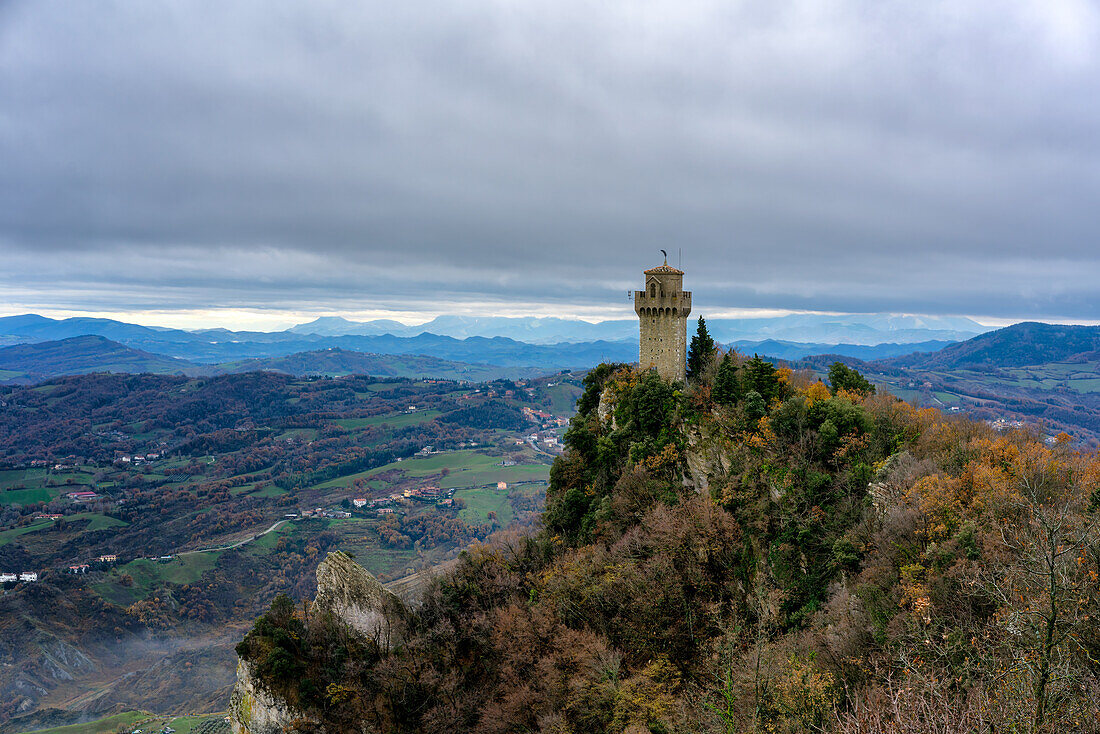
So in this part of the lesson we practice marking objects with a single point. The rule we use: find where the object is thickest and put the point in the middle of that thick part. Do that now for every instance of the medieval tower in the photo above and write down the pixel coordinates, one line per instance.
(662, 309)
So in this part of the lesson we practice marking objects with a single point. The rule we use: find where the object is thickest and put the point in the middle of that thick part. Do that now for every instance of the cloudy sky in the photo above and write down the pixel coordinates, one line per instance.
(253, 163)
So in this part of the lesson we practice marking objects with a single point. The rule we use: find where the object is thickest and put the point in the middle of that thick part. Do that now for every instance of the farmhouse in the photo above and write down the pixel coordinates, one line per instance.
(28, 576)
(359, 502)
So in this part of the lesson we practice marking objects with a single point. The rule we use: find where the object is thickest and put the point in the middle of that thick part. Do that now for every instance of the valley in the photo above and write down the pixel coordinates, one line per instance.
(162, 514)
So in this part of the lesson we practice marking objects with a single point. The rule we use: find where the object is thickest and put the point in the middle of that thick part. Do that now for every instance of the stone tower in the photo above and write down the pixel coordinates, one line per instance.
(662, 309)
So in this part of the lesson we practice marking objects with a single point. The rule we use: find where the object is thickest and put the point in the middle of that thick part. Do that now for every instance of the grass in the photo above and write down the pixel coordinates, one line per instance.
(131, 720)
(267, 542)
(563, 398)
(465, 469)
(110, 724)
(8, 536)
(480, 502)
(24, 496)
(495, 473)
(392, 420)
(305, 434)
(148, 575)
(26, 477)
(269, 491)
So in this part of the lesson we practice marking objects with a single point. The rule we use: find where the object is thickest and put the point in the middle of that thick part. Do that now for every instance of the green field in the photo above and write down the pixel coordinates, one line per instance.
(25, 496)
(393, 420)
(946, 398)
(26, 477)
(563, 398)
(480, 502)
(465, 469)
(1080, 376)
(7, 536)
(145, 721)
(265, 543)
(148, 575)
(102, 726)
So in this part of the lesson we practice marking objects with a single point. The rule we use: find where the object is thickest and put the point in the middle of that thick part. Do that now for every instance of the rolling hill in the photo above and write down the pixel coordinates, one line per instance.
(340, 362)
(82, 354)
(1027, 343)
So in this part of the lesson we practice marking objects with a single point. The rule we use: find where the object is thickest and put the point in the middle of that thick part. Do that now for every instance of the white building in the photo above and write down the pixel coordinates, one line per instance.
(28, 576)
(6, 577)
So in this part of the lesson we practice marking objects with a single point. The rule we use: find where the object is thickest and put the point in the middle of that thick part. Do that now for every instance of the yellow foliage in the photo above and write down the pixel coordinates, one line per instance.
(647, 698)
(804, 698)
(816, 392)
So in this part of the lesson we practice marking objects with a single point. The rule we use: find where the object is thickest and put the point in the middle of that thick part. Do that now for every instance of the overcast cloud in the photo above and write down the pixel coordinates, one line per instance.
(930, 157)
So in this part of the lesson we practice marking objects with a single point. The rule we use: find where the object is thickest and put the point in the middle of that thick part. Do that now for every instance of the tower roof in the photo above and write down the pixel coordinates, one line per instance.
(666, 268)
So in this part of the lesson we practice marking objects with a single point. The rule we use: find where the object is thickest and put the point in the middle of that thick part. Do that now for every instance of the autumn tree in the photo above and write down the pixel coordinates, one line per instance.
(1045, 581)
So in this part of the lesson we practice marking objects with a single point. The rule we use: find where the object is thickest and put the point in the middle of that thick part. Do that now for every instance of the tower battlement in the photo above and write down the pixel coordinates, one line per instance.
(662, 309)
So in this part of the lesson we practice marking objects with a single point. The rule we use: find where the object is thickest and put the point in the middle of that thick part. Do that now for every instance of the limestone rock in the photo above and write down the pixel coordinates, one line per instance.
(350, 592)
(344, 589)
(606, 408)
(255, 710)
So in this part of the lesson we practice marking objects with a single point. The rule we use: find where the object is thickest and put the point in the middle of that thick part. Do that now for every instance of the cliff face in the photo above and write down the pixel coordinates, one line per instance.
(348, 591)
(255, 710)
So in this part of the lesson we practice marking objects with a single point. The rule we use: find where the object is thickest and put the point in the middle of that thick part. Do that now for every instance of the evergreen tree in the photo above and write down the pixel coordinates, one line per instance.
(843, 377)
(760, 375)
(700, 352)
(727, 388)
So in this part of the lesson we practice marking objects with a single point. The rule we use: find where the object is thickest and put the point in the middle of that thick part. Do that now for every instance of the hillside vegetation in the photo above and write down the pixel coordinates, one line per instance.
(758, 551)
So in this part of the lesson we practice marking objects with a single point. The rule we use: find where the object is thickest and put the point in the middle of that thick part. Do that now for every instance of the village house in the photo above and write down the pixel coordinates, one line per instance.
(359, 502)
(502, 485)
(28, 576)
(6, 577)
(79, 568)
(108, 558)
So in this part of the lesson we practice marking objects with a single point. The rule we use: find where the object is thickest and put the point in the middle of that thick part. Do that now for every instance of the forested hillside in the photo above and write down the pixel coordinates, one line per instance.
(758, 551)
(186, 504)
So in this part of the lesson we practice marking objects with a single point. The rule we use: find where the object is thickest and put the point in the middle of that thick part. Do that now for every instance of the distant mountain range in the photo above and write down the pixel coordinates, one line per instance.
(795, 350)
(32, 363)
(43, 347)
(857, 329)
(212, 345)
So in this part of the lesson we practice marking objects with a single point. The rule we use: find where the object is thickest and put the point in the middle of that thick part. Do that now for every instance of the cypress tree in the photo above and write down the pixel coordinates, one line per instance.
(727, 387)
(700, 352)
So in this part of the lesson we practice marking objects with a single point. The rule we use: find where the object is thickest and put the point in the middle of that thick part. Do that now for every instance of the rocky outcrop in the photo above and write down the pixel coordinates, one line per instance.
(346, 590)
(350, 592)
(255, 710)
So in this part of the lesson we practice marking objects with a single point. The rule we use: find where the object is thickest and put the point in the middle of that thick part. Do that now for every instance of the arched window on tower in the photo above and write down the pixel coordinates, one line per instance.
(652, 290)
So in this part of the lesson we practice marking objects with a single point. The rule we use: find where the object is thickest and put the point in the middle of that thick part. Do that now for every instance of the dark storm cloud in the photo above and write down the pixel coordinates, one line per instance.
(833, 156)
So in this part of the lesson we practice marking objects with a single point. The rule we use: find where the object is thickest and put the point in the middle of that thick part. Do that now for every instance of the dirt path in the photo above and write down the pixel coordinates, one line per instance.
(239, 543)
